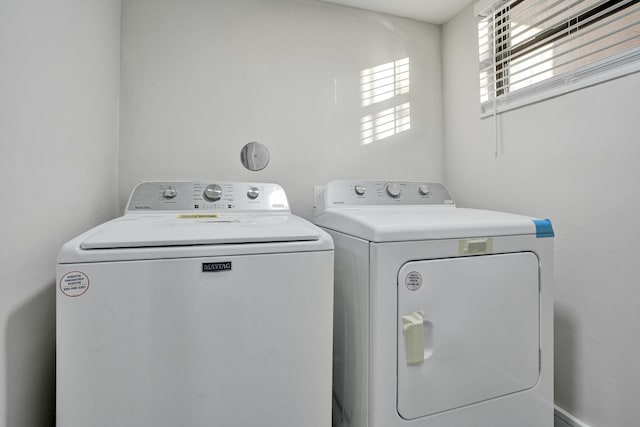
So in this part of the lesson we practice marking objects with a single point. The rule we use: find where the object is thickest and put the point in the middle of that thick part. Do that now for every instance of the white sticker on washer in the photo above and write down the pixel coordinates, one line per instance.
(413, 281)
(74, 284)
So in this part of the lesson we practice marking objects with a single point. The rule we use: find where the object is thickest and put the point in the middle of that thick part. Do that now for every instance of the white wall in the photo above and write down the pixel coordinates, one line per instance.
(59, 72)
(200, 78)
(573, 159)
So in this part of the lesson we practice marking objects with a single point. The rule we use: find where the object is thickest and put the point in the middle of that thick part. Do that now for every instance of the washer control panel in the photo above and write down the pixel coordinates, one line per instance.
(350, 193)
(207, 196)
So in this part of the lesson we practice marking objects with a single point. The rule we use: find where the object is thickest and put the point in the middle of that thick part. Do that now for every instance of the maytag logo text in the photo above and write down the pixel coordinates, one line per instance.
(213, 267)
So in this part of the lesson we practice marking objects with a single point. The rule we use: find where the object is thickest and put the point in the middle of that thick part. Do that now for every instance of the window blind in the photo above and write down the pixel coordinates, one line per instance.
(531, 50)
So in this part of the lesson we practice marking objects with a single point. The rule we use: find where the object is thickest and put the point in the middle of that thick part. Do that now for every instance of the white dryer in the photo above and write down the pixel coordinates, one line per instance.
(443, 315)
(206, 304)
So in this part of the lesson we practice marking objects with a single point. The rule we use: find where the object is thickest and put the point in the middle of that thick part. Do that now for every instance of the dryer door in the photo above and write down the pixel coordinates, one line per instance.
(468, 331)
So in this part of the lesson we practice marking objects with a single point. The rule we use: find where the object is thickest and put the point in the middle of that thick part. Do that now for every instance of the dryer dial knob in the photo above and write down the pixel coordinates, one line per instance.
(170, 193)
(393, 190)
(212, 193)
(360, 190)
(424, 190)
(253, 193)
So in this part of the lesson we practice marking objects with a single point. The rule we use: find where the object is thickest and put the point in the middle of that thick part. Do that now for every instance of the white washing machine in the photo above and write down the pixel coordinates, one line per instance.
(206, 304)
(443, 315)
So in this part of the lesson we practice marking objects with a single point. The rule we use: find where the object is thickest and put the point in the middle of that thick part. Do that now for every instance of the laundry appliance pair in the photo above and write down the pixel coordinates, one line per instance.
(211, 304)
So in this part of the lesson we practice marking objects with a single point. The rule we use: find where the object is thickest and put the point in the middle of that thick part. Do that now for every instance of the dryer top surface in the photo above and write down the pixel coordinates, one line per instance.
(407, 223)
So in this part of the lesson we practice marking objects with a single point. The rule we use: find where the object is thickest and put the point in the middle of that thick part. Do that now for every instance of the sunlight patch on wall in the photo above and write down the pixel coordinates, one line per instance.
(381, 84)
(385, 123)
(384, 81)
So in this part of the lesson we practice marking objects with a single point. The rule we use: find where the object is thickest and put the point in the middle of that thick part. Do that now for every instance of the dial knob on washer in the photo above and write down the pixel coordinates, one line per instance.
(424, 190)
(393, 190)
(212, 193)
(360, 190)
(253, 193)
(170, 193)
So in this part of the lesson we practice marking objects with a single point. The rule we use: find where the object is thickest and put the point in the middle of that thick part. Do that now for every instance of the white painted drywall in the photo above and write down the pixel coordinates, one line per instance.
(573, 159)
(200, 78)
(59, 78)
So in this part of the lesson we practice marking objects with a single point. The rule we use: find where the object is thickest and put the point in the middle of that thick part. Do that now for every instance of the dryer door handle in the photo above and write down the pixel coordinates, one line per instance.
(418, 337)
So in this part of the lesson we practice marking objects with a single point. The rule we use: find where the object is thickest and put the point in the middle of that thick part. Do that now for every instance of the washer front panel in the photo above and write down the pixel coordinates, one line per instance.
(165, 343)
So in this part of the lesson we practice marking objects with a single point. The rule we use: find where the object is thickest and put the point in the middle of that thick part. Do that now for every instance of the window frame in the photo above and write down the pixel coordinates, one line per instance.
(502, 99)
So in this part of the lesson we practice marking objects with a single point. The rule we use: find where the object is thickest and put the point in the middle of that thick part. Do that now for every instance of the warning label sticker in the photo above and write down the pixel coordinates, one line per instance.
(413, 281)
(74, 284)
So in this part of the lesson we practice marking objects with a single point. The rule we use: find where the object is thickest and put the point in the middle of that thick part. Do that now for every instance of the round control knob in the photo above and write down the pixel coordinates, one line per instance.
(360, 190)
(424, 190)
(169, 193)
(393, 190)
(253, 193)
(212, 193)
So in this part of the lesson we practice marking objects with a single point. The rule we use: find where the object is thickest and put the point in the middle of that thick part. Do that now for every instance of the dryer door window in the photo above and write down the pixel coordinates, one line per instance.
(468, 331)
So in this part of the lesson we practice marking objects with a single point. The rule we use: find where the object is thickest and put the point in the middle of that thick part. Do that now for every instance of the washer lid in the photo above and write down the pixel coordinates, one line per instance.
(140, 231)
(405, 223)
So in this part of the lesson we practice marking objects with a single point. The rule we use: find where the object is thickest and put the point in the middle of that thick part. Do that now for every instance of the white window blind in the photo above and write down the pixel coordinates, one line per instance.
(530, 50)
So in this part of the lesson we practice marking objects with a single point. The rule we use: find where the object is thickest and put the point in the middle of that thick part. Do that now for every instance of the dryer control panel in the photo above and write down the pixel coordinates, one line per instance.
(207, 196)
(358, 193)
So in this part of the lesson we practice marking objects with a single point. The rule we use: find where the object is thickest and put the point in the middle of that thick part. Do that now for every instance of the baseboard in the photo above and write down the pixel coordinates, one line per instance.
(565, 419)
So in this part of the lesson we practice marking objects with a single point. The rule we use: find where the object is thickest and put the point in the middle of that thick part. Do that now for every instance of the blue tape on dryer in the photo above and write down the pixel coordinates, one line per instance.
(544, 228)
